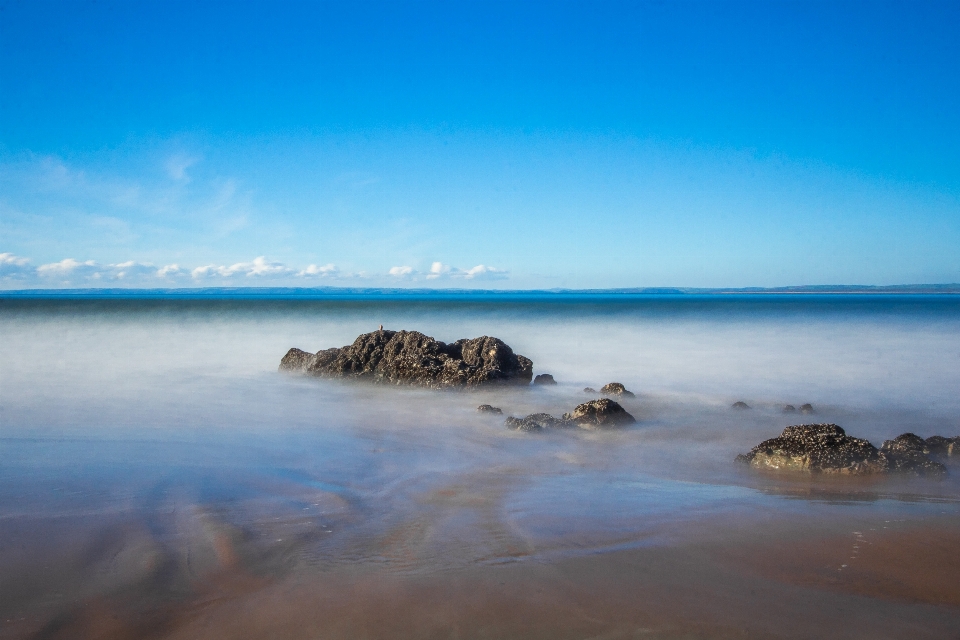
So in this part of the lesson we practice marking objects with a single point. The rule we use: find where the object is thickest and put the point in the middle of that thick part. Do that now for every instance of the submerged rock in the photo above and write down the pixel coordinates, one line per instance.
(602, 413)
(535, 422)
(616, 389)
(410, 357)
(816, 448)
(806, 408)
(544, 378)
(740, 405)
(488, 408)
(589, 390)
(789, 408)
(826, 448)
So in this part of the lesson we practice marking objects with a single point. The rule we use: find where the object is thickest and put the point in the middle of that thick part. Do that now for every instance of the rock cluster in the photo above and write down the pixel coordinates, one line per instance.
(826, 448)
(410, 357)
(596, 414)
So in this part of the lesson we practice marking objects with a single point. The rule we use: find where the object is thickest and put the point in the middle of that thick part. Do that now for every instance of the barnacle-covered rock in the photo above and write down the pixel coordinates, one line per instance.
(826, 448)
(602, 413)
(410, 357)
(816, 448)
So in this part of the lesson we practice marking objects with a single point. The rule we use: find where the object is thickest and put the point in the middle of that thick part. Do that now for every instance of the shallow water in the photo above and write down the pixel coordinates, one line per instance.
(150, 445)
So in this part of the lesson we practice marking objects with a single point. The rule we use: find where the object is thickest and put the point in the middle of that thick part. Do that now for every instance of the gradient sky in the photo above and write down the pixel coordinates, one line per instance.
(494, 145)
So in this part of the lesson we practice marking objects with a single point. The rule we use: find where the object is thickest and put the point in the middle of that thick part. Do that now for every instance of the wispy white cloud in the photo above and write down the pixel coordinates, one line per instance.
(440, 270)
(130, 269)
(65, 267)
(326, 270)
(177, 166)
(258, 267)
(73, 272)
(10, 259)
(108, 207)
(70, 271)
(170, 270)
(13, 267)
(482, 271)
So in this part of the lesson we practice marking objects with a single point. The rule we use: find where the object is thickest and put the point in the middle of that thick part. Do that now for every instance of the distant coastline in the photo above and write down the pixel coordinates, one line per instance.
(376, 292)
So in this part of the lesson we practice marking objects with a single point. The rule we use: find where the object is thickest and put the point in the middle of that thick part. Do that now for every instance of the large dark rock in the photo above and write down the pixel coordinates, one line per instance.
(616, 389)
(816, 448)
(826, 448)
(601, 413)
(544, 378)
(410, 357)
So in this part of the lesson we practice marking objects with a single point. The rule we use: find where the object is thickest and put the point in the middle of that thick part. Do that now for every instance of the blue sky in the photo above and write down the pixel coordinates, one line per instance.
(494, 145)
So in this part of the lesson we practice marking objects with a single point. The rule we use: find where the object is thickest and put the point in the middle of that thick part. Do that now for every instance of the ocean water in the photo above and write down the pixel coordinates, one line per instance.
(149, 445)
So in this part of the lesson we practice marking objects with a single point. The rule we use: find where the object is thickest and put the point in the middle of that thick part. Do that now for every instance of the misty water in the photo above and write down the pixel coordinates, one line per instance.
(154, 441)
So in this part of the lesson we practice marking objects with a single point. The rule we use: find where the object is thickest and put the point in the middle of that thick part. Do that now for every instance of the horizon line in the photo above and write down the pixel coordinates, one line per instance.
(133, 292)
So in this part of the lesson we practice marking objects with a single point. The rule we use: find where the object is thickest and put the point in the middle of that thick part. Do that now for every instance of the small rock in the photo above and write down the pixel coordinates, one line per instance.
(789, 408)
(806, 408)
(616, 389)
(589, 390)
(740, 405)
(544, 378)
(601, 413)
(486, 408)
(534, 422)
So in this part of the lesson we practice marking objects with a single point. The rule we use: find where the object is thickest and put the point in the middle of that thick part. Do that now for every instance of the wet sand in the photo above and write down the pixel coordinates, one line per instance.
(778, 578)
